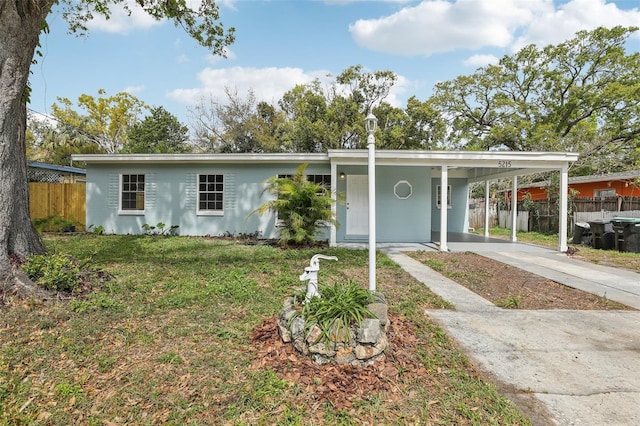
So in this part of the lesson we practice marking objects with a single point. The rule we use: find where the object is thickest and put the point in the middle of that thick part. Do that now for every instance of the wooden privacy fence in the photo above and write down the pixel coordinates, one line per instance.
(607, 204)
(543, 217)
(67, 200)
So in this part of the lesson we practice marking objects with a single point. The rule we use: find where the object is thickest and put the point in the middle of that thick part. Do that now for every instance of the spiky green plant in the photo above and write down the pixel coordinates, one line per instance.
(340, 306)
(301, 206)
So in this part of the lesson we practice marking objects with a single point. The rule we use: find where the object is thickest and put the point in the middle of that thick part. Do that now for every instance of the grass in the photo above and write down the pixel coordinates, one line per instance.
(604, 257)
(167, 342)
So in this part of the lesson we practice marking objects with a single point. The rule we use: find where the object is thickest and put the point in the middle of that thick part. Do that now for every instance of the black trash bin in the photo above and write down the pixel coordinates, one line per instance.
(600, 227)
(627, 233)
(582, 233)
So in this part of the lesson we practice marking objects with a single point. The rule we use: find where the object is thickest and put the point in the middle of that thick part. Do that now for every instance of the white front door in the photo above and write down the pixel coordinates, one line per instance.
(357, 205)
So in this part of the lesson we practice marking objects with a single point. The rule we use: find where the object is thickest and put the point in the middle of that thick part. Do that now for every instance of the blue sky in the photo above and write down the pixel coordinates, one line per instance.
(283, 43)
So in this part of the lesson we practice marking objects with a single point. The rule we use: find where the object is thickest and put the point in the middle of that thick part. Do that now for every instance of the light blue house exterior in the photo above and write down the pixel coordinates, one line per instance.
(214, 194)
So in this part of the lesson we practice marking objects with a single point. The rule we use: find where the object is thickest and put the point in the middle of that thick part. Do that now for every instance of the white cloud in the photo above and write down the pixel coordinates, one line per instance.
(214, 59)
(133, 89)
(396, 94)
(556, 25)
(436, 26)
(441, 26)
(268, 84)
(42, 117)
(477, 61)
(121, 22)
(362, 1)
(229, 4)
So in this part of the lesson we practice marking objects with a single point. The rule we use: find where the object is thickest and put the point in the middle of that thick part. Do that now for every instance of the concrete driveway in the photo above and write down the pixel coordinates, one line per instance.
(559, 366)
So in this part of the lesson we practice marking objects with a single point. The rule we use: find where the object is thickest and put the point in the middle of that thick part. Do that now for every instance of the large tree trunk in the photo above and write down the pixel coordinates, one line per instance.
(20, 25)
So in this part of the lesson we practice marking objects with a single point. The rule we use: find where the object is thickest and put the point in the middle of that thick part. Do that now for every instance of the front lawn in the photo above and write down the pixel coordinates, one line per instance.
(168, 341)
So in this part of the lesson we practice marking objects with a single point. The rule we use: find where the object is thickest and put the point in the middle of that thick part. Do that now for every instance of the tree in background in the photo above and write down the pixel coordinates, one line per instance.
(54, 143)
(21, 22)
(159, 133)
(307, 118)
(106, 120)
(582, 95)
(236, 124)
(306, 128)
(418, 126)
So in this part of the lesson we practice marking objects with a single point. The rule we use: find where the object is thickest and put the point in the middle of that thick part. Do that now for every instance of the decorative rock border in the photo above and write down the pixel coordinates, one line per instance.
(367, 340)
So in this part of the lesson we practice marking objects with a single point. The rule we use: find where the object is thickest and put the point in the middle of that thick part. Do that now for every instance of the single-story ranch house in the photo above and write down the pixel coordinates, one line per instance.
(213, 194)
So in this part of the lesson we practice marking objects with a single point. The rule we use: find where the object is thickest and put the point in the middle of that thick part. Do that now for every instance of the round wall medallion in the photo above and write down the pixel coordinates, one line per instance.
(403, 189)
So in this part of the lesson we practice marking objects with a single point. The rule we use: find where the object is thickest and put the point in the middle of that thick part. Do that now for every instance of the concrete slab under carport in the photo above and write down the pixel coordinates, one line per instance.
(463, 242)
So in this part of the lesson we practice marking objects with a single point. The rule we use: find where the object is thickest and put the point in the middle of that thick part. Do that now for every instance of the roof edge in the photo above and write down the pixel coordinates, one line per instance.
(200, 158)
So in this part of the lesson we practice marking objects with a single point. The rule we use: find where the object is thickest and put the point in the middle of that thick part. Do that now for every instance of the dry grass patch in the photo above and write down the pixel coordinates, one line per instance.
(511, 287)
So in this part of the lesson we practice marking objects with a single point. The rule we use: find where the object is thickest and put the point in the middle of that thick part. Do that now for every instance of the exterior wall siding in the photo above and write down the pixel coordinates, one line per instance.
(398, 220)
(458, 214)
(171, 198)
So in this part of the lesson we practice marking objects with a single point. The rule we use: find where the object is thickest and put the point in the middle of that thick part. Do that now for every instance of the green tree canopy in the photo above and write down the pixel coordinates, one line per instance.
(236, 124)
(160, 132)
(54, 143)
(106, 120)
(582, 95)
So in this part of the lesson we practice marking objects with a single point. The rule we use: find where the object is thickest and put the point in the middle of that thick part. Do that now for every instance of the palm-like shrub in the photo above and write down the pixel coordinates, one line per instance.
(301, 206)
(341, 306)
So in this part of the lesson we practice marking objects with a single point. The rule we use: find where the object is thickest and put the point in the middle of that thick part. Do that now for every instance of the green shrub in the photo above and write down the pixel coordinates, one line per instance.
(160, 229)
(340, 306)
(98, 230)
(55, 272)
(54, 223)
(301, 206)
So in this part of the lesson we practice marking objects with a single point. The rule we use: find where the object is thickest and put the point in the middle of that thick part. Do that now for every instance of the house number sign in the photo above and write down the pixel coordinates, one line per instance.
(504, 164)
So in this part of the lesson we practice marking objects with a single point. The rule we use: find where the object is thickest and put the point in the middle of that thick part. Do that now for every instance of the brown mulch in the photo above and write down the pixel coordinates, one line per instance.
(344, 386)
(511, 287)
(341, 384)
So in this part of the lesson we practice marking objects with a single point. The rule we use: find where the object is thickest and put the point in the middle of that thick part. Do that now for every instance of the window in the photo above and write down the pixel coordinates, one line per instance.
(439, 196)
(133, 192)
(324, 180)
(211, 194)
(603, 193)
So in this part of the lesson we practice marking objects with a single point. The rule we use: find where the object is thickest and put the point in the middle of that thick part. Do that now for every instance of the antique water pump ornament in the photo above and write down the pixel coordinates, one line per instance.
(311, 274)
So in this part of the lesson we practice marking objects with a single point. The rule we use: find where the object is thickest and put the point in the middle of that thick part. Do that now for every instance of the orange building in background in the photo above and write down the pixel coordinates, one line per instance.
(624, 184)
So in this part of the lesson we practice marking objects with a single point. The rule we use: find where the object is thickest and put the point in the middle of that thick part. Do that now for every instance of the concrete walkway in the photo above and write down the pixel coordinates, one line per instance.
(582, 367)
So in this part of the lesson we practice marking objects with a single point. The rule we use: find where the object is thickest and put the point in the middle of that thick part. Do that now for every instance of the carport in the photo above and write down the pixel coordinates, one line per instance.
(471, 166)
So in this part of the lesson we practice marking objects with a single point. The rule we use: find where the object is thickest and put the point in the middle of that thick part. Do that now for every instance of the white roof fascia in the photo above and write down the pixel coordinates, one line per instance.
(508, 163)
(200, 158)
(490, 159)
(512, 173)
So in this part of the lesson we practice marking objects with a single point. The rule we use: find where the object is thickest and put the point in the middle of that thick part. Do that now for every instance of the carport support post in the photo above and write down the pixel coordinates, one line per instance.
(334, 197)
(444, 202)
(514, 209)
(487, 187)
(564, 199)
